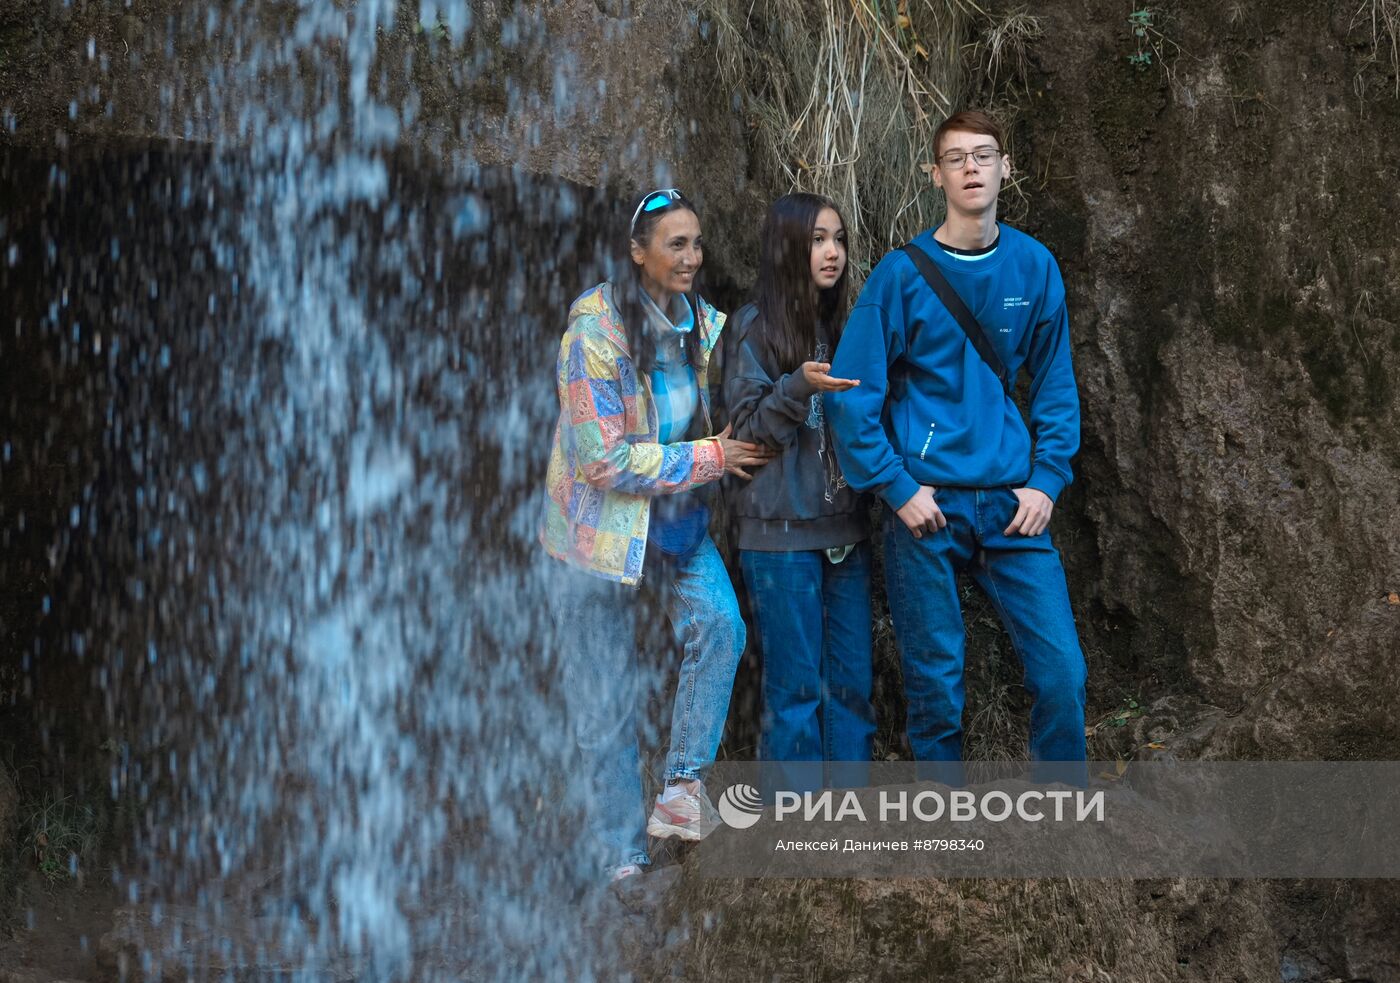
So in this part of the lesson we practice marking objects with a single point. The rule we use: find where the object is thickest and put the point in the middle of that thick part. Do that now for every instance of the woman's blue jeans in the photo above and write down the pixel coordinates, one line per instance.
(814, 622)
(1026, 583)
(597, 625)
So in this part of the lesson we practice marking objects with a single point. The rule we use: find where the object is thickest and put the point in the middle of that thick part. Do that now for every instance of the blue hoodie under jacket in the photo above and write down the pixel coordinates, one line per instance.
(928, 410)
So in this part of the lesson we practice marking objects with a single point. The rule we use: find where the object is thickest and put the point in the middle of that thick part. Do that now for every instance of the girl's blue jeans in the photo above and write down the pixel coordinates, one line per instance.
(814, 623)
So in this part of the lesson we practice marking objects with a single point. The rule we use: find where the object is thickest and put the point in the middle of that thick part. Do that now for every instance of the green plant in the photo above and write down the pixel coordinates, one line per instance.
(438, 30)
(1127, 710)
(1153, 45)
(1141, 22)
(61, 834)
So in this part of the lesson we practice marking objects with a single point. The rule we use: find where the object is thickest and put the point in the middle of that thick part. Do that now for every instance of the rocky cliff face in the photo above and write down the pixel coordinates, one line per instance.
(1221, 216)
(9, 820)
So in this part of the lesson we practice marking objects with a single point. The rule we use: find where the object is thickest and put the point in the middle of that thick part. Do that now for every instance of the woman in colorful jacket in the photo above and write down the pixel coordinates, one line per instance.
(633, 444)
(803, 533)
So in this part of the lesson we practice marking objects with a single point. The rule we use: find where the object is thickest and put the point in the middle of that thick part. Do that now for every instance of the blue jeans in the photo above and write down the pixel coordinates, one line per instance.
(1026, 583)
(814, 621)
(603, 678)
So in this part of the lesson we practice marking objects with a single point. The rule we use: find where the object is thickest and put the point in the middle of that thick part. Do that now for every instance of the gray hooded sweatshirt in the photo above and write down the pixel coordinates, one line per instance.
(799, 500)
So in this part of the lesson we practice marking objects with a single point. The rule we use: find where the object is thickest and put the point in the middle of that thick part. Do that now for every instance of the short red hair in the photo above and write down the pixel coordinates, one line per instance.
(968, 121)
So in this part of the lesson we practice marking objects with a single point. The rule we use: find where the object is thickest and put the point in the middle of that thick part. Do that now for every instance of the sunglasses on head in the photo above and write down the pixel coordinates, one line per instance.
(655, 201)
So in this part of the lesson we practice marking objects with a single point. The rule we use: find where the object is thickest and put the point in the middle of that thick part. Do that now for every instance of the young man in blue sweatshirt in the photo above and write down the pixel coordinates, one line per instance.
(969, 487)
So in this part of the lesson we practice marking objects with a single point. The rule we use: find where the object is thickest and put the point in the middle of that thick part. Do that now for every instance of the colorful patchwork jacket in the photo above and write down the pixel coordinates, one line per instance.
(606, 464)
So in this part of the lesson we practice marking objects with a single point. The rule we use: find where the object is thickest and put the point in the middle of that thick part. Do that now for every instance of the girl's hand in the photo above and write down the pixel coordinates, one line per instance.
(740, 454)
(816, 375)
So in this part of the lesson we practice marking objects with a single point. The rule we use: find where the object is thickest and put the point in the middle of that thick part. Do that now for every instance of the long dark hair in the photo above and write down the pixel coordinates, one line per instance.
(788, 301)
(627, 290)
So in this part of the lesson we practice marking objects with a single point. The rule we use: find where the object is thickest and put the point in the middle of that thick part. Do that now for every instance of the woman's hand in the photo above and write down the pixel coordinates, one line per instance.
(740, 454)
(816, 375)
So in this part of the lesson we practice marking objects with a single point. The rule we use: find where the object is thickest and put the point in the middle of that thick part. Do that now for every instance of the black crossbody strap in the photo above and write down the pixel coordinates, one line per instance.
(934, 277)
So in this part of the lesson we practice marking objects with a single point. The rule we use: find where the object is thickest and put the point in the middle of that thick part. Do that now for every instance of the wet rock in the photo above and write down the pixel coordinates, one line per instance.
(131, 28)
(9, 806)
(9, 819)
(1235, 524)
(1369, 931)
(645, 893)
(174, 943)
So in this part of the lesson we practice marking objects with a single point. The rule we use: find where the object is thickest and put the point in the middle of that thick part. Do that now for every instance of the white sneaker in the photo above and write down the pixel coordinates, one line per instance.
(689, 816)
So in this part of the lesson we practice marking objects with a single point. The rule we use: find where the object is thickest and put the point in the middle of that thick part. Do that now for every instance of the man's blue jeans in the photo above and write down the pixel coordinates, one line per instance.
(597, 623)
(1026, 583)
(814, 621)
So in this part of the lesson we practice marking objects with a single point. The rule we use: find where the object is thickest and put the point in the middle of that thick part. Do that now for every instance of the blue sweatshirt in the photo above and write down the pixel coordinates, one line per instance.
(928, 410)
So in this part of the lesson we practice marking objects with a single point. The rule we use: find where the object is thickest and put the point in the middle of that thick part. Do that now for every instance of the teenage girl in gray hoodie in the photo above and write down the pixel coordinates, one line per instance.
(803, 533)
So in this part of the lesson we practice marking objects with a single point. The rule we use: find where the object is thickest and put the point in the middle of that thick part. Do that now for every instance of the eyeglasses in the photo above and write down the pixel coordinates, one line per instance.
(956, 160)
(655, 201)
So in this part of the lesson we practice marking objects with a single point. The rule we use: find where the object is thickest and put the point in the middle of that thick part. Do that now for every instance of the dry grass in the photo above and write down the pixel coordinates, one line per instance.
(997, 66)
(1076, 931)
(842, 98)
(1000, 51)
(1383, 19)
